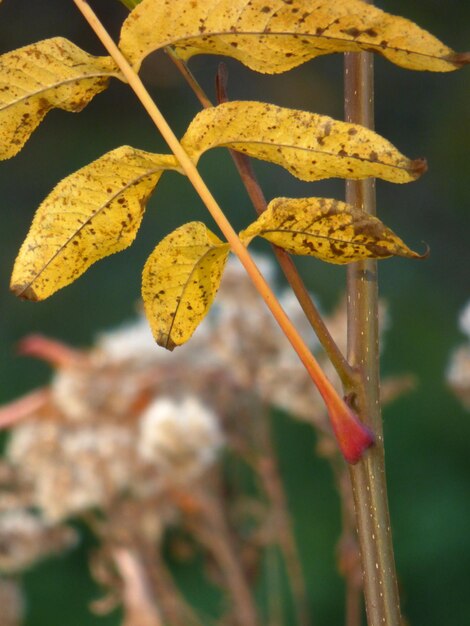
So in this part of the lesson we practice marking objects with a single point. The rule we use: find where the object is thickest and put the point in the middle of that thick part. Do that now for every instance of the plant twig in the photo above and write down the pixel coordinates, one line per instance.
(15, 411)
(268, 470)
(189, 78)
(214, 532)
(368, 476)
(139, 605)
(243, 164)
(175, 607)
(349, 559)
(351, 434)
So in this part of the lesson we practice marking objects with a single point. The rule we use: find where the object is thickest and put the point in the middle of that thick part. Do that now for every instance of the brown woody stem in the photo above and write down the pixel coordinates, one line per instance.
(368, 476)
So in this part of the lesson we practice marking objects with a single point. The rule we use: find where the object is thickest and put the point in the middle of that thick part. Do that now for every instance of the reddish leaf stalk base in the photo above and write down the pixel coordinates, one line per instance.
(353, 437)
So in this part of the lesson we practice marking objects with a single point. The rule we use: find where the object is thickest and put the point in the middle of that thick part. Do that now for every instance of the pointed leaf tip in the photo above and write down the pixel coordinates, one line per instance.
(425, 254)
(25, 292)
(327, 229)
(459, 59)
(418, 167)
(278, 36)
(164, 341)
(310, 146)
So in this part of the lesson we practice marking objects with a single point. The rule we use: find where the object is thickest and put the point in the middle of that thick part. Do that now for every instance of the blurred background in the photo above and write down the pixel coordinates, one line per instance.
(427, 431)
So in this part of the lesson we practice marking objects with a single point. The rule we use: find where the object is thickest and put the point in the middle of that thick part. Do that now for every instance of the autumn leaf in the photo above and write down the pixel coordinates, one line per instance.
(53, 73)
(308, 145)
(180, 280)
(273, 36)
(89, 215)
(328, 229)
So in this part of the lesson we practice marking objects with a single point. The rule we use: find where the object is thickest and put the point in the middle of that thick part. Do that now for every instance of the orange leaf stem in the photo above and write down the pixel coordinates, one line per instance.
(345, 422)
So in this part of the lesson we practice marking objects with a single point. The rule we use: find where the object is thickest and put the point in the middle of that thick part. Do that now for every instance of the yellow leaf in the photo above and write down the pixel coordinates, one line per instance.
(39, 77)
(180, 280)
(327, 229)
(273, 36)
(89, 215)
(308, 145)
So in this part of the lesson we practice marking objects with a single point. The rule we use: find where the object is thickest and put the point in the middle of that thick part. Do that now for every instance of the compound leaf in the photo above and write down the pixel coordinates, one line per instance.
(39, 77)
(330, 230)
(90, 214)
(180, 280)
(308, 145)
(273, 36)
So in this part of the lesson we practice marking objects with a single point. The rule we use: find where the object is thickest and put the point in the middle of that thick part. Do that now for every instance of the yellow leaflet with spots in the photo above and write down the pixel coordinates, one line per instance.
(89, 215)
(273, 36)
(180, 280)
(308, 145)
(328, 229)
(53, 73)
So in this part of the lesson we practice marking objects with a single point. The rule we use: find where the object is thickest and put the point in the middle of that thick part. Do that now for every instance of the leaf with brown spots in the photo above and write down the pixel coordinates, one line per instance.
(273, 36)
(330, 230)
(180, 280)
(310, 146)
(53, 73)
(90, 214)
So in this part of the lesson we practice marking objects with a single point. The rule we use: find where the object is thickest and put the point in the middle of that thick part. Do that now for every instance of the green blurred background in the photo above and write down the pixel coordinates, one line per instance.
(427, 432)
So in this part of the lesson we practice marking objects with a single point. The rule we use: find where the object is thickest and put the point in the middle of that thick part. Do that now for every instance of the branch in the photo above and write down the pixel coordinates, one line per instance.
(215, 534)
(352, 436)
(139, 605)
(368, 476)
(268, 468)
(243, 164)
(256, 195)
(13, 412)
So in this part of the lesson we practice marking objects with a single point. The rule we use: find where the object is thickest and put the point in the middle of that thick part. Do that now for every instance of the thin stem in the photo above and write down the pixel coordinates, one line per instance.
(243, 164)
(248, 177)
(13, 412)
(215, 534)
(352, 436)
(175, 608)
(268, 469)
(139, 603)
(346, 373)
(189, 78)
(368, 476)
(349, 560)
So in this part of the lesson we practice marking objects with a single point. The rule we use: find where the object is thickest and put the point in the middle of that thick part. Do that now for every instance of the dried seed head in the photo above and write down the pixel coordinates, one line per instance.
(181, 438)
(71, 470)
(25, 538)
